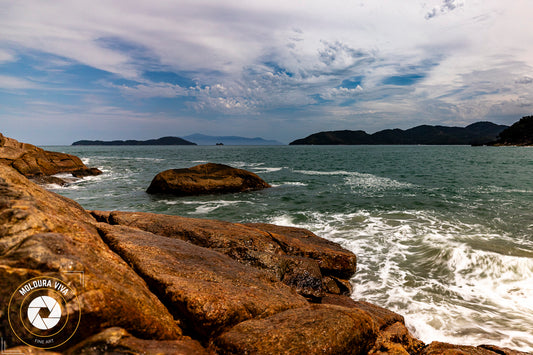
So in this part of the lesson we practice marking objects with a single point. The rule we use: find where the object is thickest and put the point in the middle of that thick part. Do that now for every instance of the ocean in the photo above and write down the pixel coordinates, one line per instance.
(443, 234)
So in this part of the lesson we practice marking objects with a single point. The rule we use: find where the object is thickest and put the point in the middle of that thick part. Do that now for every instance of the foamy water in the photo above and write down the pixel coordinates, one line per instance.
(424, 268)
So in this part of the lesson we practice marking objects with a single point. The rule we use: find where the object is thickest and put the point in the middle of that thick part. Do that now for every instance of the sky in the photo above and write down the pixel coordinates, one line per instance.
(278, 69)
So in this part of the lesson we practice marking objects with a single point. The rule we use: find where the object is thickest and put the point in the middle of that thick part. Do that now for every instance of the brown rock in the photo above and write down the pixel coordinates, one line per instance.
(381, 316)
(206, 290)
(316, 329)
(502, 351)
(396, 339)
(49, 180)
(27, 350)
(296, 260)
(205, 179)
(332, 258)
(44, 234)
(393, 336)
(32, 161)
(119, 341)
(80, 173)
(450, 349)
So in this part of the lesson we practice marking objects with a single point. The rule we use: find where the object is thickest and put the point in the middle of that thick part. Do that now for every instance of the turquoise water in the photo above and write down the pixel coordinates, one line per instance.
(443, 234)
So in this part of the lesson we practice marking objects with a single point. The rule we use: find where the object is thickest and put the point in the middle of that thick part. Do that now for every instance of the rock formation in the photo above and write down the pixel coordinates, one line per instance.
(40, 164)
(205, 179)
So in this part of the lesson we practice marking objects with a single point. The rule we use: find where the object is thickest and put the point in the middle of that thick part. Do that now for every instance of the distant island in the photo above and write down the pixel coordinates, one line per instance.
(159, 141)
(193, 139)
(519, 134)
(202, 139)
(475, 134)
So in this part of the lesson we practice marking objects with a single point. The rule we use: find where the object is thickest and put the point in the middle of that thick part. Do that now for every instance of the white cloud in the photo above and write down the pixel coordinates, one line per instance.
(150, 90)
(255, 57)
(6, 56)
(15, 83)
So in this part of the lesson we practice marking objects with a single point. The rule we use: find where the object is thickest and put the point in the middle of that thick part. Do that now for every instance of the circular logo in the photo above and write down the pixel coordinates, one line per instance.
(44, 312)
(44, 302)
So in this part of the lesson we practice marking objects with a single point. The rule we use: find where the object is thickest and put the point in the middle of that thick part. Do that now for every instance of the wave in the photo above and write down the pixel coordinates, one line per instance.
(450, 279)
(264, 170)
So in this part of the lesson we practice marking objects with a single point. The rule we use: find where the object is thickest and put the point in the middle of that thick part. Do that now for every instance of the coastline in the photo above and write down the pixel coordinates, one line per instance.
(231, 285)
(185, 306)
(136, 294)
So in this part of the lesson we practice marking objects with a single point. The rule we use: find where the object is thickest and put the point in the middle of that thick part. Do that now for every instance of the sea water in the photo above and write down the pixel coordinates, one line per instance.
(443, 234)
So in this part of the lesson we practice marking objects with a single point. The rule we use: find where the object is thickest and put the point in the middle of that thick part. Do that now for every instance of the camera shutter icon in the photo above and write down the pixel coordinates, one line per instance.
(34, 314)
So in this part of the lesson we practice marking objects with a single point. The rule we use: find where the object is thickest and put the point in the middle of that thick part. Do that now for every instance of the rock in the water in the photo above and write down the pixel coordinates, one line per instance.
(316, 329)
(333, 259)
(205, 179)
(119, 341)
(32, 161)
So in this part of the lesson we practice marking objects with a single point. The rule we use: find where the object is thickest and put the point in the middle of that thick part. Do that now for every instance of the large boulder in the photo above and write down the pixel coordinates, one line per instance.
(35, 162)
(43, 234)
(205, 179)
(316, 329)
(206, 290)
(302, 260)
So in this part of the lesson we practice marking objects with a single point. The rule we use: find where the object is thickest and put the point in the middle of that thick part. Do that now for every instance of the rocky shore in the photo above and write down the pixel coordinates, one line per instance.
(157, 284)
(39, 164)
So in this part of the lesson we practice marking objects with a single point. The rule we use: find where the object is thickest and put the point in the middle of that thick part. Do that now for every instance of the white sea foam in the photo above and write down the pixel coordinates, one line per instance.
(358, 180)
(448, 278)
(314, 172)
(369, 181)
(209, 206)
(294, 183)
(264, 170)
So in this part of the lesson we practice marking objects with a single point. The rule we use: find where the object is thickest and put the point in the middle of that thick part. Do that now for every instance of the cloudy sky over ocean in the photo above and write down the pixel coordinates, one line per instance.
(142, 69)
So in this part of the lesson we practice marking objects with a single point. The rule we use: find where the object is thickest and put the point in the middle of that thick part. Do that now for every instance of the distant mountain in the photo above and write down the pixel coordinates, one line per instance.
(474, 134)
(520, 133)
(159, 141)
(202, 139)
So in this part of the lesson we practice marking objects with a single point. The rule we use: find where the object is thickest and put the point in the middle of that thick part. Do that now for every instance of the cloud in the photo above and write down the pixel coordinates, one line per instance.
(343, 63)
(525, 80)
(445, 7)
(6, 56)
(151, 90)
(15, 83)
